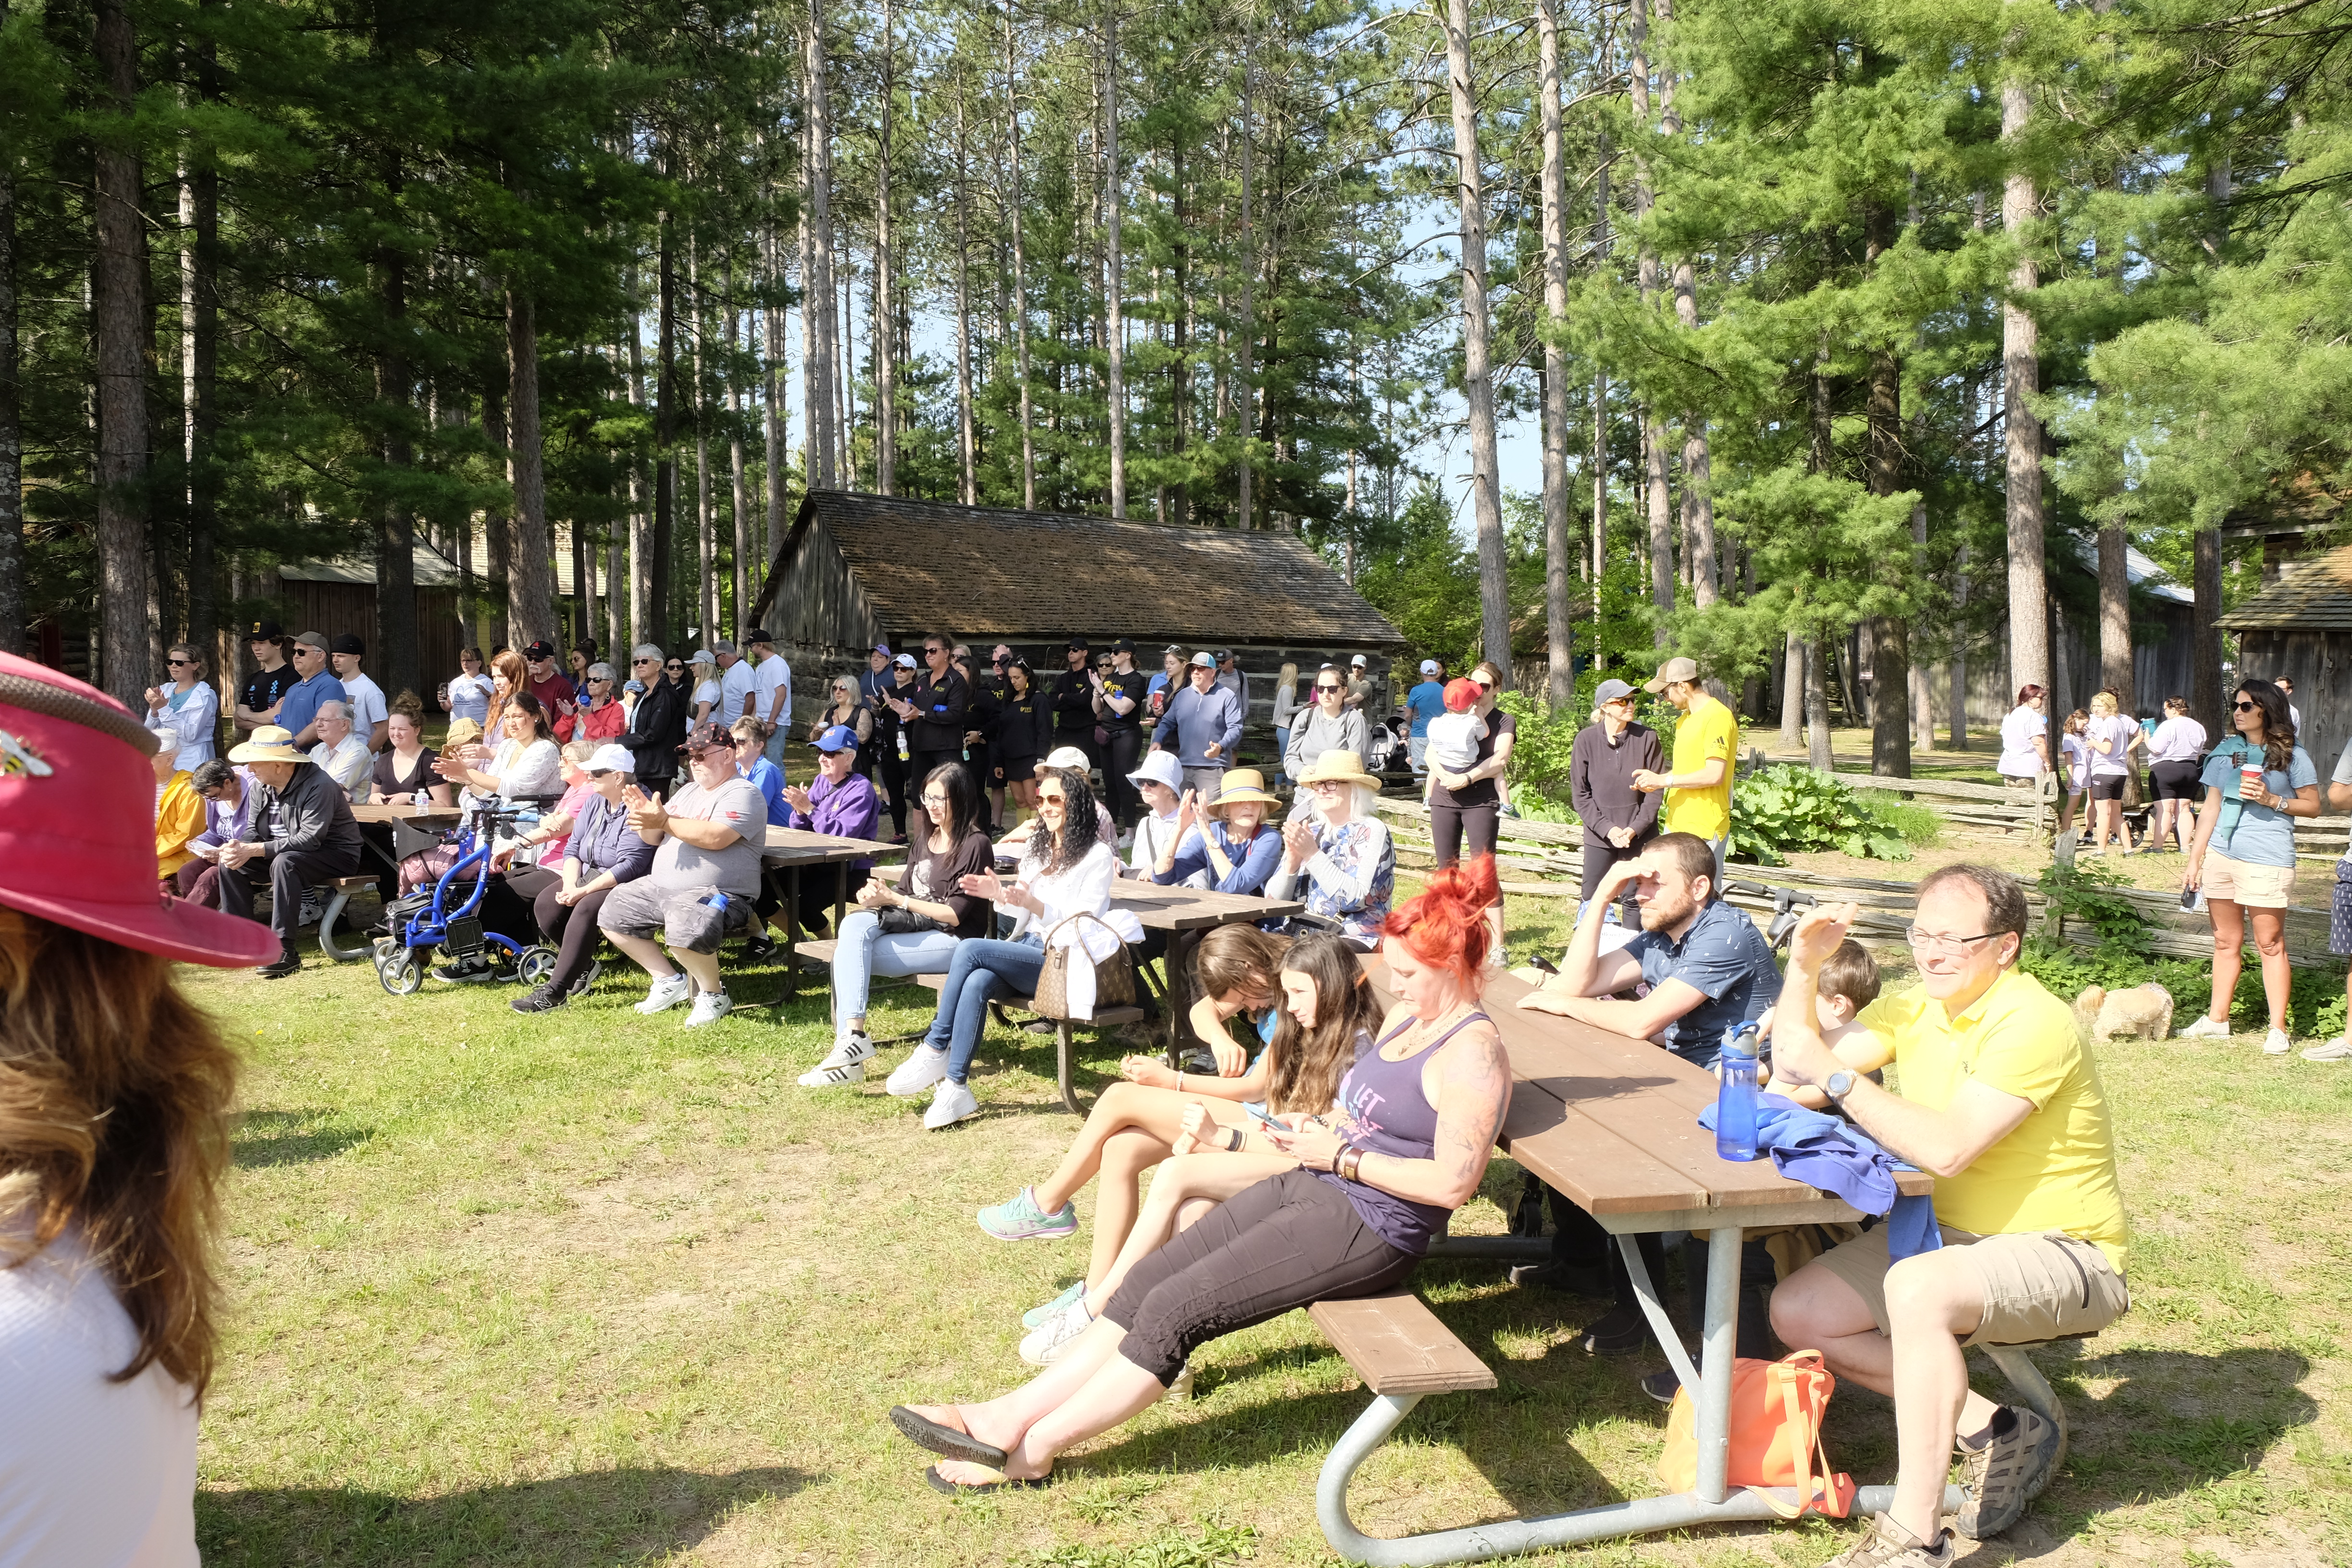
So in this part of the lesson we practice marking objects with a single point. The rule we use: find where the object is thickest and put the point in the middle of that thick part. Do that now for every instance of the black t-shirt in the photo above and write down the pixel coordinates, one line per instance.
(261, 693)
(941, 706)
(1024, 729)
(1132, 686)
(938, 879)
(1073, 701)
(1485, 792)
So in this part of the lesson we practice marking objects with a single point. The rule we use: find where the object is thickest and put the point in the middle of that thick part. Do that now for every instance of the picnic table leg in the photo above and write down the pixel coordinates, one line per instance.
(840, 894)
(1064, 1044)
(1719, 1337)
(1179, 990)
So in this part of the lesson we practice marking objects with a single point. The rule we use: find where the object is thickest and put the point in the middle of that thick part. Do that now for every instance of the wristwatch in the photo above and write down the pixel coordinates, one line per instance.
(1838, 1085)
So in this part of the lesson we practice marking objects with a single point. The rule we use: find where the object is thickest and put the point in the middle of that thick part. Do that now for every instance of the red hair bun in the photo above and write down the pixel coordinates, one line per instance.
(1444, 924)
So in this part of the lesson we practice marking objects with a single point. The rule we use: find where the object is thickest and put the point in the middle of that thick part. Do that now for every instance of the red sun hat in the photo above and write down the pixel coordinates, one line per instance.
(77, 825)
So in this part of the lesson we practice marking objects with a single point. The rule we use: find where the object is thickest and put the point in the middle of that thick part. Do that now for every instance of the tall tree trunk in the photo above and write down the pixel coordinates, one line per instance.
(771, 333)
(741, 496)
(967, 434)
(642, 626)
(697, 407)
(1817, 755)
(200, 303)
(1247, 328)
(530, 572)
(663, 539)
(1698, 464)
(12, 434)
(2114, 619)
(495, 533)
(2205, 631)
(1923, 717)
(1890, 636)
(816, 275)
(119, 308)
(1793, 692)
(1477, 376)
(884, 291)
(1180, 368)
(815, 400)
(1600, 246)
(1014, 213)
(1559, 685)
(1959, 723)
(1114, 328)
(1654, 428)
(2029, 599)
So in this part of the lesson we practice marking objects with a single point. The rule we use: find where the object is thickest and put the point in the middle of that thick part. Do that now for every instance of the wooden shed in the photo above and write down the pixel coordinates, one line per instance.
(859, 570)
(2300, 625)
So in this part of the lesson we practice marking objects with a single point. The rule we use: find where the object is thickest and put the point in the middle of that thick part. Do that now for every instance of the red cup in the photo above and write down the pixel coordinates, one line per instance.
(2250, 777)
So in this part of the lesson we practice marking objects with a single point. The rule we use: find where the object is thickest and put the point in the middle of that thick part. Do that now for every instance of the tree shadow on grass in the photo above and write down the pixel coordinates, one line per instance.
(267, 1138)
(593, 1521)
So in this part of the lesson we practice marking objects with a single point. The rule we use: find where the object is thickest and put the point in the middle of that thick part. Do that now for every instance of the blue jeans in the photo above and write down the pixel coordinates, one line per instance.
(862, 951)
(774, 749)
(981, 969)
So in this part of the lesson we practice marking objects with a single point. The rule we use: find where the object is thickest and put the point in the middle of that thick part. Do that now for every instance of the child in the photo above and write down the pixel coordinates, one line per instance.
(1848, 984)
(1454, 734)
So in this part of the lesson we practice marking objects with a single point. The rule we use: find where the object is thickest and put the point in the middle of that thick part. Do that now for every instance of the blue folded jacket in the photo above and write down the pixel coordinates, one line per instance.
(1833, 1154)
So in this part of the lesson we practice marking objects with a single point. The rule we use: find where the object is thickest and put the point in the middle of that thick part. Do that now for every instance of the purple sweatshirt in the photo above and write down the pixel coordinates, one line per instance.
(845, 810)
(223, 823)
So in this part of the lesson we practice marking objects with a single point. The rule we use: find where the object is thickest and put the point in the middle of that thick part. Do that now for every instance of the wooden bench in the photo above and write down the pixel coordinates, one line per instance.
(1404, 1354)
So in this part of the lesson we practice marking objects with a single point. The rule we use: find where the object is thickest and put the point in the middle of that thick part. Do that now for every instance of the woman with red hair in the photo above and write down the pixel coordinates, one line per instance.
(1408, 1144)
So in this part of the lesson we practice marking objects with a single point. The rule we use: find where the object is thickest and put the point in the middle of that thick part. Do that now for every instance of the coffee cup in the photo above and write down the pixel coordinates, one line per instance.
(2250, 780)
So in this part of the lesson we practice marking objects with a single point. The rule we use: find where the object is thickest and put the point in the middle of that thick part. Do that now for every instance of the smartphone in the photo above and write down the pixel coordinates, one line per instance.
(1260, 1113)
(1546, 965)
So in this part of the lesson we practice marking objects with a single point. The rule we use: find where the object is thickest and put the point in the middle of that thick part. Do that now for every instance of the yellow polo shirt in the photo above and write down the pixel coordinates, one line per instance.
(2056, 1170)
(1708, 730)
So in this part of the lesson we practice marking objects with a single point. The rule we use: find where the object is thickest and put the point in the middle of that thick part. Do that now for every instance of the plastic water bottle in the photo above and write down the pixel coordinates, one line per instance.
(1734, 1102)
(903, 753)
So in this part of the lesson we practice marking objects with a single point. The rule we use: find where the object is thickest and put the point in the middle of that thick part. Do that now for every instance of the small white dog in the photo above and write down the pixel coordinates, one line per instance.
(2144, 1012)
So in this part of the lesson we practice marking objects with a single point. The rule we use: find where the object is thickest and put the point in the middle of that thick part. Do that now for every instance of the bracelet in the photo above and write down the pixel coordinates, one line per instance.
(1354, 1160)
(1235, 1138)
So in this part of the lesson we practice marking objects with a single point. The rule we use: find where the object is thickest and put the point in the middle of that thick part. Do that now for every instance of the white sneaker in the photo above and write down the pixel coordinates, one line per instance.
(710, 1006)
(1046, 1346)
(846, 1064)
(2276, 1043)
(667, 993)
(854, 1046)
(1180, 1391)
(2338, 1049)
(952, 1104)
(918, 1072)
(2204, 1029)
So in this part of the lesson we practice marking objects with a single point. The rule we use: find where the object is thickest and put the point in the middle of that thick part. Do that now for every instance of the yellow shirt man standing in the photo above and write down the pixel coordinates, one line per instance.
(1707, 738)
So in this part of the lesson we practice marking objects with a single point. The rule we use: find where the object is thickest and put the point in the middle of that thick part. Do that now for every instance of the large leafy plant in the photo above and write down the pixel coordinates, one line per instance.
(1780, 811)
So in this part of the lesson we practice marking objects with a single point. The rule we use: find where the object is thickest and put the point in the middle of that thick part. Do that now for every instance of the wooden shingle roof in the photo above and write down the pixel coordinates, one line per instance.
(2311, 593)
(994, 573)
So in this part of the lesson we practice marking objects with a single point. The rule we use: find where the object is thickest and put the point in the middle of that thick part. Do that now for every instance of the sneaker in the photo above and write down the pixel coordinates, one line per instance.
(2276, 1043)
(1180, 1390)
(954, 1103)
(465, 971)
(1621, 1333)
(667, 993)
(2204, 1029)
(856, 1046)
(758, 949)
(1046, 1346)
(1998, 1479)
(289, 962)
(1662, 1386)
(1019, 1218)
(710, 1006)
(845, 1064)
(310, 912)
(924, 1067)
(1889, 1546)
(2338, 1049)
(588, 977)
(545, 999)
(1036, 1316)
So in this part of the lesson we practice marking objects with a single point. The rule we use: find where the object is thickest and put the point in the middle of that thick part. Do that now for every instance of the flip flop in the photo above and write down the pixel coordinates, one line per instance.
(946, 1488)
(945, 1441)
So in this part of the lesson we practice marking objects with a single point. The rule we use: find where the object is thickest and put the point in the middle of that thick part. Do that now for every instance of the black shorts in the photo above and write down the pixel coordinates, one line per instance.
(2177, 780)
(2107, 786)
(1450, 825)
(1016, 770)
(920, 765)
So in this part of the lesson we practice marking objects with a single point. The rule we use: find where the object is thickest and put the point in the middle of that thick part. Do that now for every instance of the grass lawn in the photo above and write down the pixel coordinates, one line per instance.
(595, 1289)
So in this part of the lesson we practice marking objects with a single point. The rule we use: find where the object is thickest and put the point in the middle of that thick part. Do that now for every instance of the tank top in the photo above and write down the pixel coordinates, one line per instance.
(1383, 1109)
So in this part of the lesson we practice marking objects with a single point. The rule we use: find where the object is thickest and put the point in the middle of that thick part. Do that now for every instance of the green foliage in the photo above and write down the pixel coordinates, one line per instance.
(1917, 825)
(1778, 811)
(1211, 1544)
(1532, 803)
(2086, 893)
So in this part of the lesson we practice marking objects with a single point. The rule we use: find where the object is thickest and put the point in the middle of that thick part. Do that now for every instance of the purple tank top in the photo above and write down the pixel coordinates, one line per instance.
(1383, 1108)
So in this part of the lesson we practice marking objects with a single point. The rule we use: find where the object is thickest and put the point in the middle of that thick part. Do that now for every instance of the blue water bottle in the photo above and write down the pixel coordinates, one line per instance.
(1735, 1101)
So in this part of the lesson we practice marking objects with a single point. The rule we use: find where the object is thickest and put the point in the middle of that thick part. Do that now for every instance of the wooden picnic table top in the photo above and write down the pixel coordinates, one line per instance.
(1179, 908)
(1613, 1122)
(798, 847)
(415, 816)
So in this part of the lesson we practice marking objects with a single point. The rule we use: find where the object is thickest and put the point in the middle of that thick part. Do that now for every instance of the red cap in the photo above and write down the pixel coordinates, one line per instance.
(77, 825)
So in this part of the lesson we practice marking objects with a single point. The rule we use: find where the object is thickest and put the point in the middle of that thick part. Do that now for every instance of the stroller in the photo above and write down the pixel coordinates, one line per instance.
(424, 920)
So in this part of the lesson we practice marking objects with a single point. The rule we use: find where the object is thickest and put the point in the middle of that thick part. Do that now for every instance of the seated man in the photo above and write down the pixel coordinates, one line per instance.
(2001, 1101)
(300, 827)
(341, 754)
(708, 840)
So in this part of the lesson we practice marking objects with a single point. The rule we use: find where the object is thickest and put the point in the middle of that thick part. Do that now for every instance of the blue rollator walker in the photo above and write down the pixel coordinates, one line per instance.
(424, 920)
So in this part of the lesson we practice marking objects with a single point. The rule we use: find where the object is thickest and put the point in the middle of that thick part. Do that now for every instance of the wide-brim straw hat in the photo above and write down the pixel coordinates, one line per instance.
(462, 733)
(1344, 766)
(1241, 784)
(270, 743)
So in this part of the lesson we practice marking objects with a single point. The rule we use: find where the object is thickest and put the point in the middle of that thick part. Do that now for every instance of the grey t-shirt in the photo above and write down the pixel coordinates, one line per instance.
(679, 865)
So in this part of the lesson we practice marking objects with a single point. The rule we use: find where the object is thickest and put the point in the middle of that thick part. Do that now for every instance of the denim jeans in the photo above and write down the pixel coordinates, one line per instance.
(862, 951)
(981, 969)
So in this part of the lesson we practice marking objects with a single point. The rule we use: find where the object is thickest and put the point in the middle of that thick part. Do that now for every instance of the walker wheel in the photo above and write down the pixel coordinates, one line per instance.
(400, 974)
(536, 964)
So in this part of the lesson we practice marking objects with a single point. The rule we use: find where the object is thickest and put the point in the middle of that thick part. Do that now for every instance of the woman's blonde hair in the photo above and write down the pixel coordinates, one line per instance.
(2104, 705)
(580, 751)
(114, 1096)
(1287, 679)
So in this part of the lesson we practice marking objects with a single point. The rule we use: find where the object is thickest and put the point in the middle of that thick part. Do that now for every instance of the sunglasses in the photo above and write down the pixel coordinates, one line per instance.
(179, 663)
(600, 679)
(2246, 707)
(1053, 799)
(676, 668)
(1330, 689)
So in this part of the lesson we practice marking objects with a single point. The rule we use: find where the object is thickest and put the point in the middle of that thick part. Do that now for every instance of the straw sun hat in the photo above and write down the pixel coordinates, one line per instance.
(1344, 766)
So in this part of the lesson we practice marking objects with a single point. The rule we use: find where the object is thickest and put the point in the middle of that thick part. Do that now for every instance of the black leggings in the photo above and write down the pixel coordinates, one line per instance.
(573, 928)
(1122, 757)
(1289, 1241)
(1449, 825)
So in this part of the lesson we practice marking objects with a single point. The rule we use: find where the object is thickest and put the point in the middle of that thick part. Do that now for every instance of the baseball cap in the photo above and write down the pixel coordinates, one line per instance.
(264, 631)
(708, 738)
(905, 661)
(1358, 659)
(840, 738)
(702, 656)
(755, 637)
(1610, 691)
(613, 759)
(1429, 666)
(1673, 670)
(311, 639)
(1078, 643)
(1124, 645)
(77, 825)
(1204, 660)
(1160, 768)
(542, 648)
(347, 644)
(883, 648)
(1068, 757)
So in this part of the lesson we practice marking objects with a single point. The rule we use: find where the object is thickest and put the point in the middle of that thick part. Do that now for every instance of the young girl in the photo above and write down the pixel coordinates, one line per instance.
(2074, 761)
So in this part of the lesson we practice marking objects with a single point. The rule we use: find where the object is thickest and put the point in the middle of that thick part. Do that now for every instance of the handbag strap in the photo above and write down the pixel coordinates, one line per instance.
(1085, 915)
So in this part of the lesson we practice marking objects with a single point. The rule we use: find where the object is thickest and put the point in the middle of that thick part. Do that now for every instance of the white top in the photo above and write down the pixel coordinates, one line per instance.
(94, 1473)
(364, 699)
(708, 692)
(736, 682)
(536, 769)
(469, 698)
(2116, 730)
(1084, 887)
(2018, 760)
(351, 765)
(772, 676)
(2176, 741)
(191, 721)
(1153, 832)
(2077, 758)
(1454, 740)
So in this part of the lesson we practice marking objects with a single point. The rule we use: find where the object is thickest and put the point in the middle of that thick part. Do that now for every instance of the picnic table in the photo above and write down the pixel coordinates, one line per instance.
(1612, 1123)
(789, 852)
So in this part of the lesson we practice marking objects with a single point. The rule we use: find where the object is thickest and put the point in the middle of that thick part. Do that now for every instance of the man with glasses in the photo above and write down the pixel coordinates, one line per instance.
(1328, 725)
(1620, 818)
(1707, 738)
(657, 724)
(1119, 697)
(934, 712)
(1201, 726)
(298, 710)
(2002, 1102)
(545, 679)
(1072, 696)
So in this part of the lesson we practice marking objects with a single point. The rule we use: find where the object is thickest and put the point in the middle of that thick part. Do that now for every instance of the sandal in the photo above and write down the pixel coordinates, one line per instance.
(945, 1441)
(946, 1488)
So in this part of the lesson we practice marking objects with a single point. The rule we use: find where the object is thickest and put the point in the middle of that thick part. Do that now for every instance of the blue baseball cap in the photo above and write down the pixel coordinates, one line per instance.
(840, 738)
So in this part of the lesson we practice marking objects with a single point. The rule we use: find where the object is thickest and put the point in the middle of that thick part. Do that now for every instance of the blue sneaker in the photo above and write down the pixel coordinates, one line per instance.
(1037, 1317)
(1020, 1219)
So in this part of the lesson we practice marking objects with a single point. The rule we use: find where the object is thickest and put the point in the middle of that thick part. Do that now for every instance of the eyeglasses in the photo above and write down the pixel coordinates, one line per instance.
(2246, 707)
(933, 797)
(1323, 688)
(1327, 786)
(1941, 943)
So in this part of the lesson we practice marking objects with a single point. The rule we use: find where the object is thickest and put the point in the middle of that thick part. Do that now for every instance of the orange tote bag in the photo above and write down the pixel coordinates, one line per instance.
(1776, 1408)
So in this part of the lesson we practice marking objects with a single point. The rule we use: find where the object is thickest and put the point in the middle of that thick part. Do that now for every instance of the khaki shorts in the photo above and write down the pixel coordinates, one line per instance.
(2036, 1286)
(2247, 885)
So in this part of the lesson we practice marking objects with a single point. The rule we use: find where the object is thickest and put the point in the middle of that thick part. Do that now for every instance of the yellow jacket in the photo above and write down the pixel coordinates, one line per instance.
(179, 816)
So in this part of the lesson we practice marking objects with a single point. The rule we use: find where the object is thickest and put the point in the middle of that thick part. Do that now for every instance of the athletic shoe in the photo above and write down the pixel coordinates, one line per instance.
(2276, 1043)
(1180, 1390)
(588, 977)
(2204, 1029)
(1019, 1218)
(952, 1104)
(1662, 1386)
(2338, 1049)
(854, 1045)
(544, 999)
(1036, 1316)
(1998, 1479)
(1621, 1333)
(668, 992)
(845, 1063)
(1889, 1546)
(1046, 1346)
(710, 1006)
(924, 1067)
(289, 962)
(759, 948)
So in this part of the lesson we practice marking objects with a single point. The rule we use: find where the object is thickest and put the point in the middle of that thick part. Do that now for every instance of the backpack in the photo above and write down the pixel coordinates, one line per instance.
(1776, 1408)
